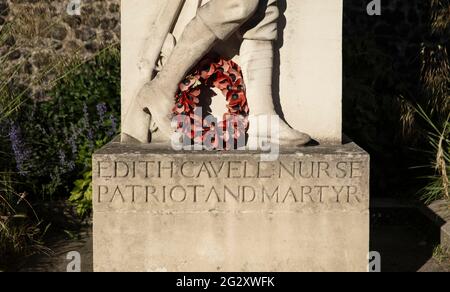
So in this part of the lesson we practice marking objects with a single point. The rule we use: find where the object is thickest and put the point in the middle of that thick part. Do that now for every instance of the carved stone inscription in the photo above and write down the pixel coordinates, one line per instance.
(163, 181)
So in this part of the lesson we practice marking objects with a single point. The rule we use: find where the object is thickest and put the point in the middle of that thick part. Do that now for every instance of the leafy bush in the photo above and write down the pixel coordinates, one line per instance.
(53, 141)
(81, 195)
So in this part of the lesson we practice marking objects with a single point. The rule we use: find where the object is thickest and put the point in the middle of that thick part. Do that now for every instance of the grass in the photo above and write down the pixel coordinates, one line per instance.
(439, 145)
(442, 255)
(20, 234)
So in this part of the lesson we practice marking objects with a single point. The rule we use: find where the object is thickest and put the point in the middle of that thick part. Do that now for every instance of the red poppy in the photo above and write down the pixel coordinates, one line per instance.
(187, 83)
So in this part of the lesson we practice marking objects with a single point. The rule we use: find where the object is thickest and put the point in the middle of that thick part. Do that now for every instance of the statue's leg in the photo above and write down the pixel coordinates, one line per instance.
(257, 54)
(216, 20)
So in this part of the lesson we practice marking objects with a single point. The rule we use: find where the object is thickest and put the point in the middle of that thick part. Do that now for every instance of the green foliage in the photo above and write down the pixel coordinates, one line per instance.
(47, 146)
(61, 134)
(81, 194)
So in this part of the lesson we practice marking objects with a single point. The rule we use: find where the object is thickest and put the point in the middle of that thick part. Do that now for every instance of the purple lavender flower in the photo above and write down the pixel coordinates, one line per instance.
(90, 132)
(71, 165)
(112, 131)
(62, 157)
(21, 153)
(85, 111)
(72, 141)
(85, 116)
(73, 145)
(90, 135)
(66, 165)
(101, 111)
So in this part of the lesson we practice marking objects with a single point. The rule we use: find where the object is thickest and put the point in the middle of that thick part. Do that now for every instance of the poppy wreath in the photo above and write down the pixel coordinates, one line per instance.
(193, 125)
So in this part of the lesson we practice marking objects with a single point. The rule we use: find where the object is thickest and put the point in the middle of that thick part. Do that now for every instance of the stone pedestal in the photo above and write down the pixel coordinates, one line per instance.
(160, 210)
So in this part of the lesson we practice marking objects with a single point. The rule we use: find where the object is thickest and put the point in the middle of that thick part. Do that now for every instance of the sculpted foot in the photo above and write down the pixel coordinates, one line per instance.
(275, 131)
(159, 103)
(289, 136)
(152, 105)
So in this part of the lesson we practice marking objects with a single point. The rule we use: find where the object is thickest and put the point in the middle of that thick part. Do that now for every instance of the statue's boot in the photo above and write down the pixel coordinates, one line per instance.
(256, 59)
(158, 96)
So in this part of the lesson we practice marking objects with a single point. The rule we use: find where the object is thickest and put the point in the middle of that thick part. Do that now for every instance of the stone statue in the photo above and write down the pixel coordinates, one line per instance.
(255, 21)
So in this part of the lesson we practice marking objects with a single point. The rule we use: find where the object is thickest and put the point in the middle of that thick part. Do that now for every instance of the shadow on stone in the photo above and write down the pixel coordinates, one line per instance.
(404, 237)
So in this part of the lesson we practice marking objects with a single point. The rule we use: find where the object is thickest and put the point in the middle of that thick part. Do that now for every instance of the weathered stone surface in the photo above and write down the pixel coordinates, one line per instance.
(160, 210)
(85, 34)
(46, 26)
(311, 68)
(439, 212)
(59, 32)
